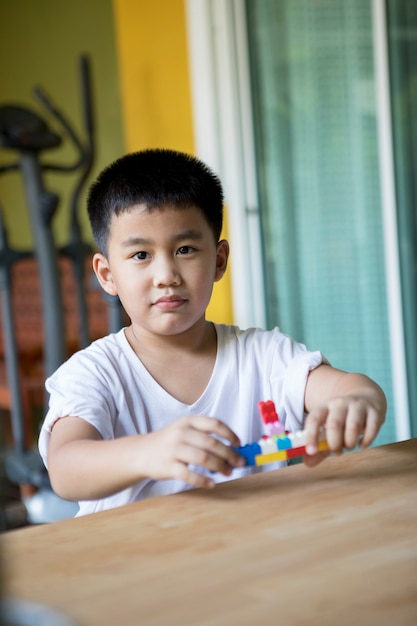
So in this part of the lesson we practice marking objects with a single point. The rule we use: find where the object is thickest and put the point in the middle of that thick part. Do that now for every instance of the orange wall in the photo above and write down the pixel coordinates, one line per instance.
(155, 91)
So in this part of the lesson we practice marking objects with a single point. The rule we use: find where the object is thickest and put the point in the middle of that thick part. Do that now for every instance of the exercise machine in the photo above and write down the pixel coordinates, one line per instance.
(28, 136)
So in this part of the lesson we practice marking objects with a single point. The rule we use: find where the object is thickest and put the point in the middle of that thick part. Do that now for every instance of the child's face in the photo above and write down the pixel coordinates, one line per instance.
(162, 264)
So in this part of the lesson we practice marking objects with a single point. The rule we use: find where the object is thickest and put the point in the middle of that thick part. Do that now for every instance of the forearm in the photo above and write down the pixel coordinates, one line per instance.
(326, 383)
(83, 466)
(91, 470)
(359, 385)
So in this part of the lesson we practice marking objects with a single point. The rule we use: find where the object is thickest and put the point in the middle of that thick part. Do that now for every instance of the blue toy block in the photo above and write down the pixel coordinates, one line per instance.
(249, 452)
(284, 443)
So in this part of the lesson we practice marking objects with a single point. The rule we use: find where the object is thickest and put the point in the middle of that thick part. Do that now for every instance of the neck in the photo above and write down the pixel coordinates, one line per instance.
(198, 339)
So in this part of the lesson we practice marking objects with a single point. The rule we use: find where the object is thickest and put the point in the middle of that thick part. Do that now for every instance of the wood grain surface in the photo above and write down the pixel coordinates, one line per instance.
(332, 545)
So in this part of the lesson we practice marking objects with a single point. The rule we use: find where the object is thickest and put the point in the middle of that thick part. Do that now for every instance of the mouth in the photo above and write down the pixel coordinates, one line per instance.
(169, 303)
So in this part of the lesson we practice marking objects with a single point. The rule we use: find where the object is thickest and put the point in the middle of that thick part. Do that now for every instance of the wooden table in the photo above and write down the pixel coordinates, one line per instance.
(332, 545)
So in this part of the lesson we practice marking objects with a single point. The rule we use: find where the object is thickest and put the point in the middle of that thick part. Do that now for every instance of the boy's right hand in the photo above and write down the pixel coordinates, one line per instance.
(191, 441)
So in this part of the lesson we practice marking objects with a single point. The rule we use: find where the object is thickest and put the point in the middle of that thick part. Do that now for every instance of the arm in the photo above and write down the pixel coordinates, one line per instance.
(83, 466)
(352, 408)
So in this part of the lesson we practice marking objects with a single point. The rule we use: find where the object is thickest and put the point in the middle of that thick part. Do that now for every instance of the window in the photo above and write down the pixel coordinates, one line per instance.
(318, 171)
(293, 104)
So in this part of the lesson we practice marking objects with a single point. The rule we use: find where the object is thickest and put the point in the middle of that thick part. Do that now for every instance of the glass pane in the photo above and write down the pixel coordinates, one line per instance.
(316, 134)
(402, 44)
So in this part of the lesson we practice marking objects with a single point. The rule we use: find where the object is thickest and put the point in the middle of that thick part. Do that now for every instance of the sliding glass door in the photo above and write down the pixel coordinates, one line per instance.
(315, 119)
(402, 46)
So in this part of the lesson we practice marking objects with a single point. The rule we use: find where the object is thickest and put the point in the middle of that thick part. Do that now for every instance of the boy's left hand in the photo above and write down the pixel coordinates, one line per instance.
(351, 417)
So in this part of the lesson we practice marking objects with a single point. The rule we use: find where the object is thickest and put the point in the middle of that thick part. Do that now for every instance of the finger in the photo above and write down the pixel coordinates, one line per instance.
(373, 424)
(355, 424)
(335, 425)
(315, 459)
(215, 426)
(313, 424)
(181, 471)
(212, 446)
(206, 459)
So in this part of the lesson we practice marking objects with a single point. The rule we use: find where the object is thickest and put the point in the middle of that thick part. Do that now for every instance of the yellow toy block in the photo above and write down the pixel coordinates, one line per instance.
(263, 459)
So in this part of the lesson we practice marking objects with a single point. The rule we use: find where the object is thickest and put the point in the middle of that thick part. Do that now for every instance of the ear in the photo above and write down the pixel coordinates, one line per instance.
(222, 256)
(104, 276)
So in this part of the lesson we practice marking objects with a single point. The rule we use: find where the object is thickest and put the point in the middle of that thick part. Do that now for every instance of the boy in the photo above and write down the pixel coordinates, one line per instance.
(159, 406)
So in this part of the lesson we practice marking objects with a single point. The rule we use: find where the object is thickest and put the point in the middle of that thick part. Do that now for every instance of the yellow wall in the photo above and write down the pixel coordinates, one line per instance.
(141, 86)
(153, 70)
(155, 87)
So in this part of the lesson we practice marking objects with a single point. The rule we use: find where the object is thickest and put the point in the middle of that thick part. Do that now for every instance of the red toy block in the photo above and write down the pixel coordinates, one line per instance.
(293, 453)
(267, 411)
(270, 418)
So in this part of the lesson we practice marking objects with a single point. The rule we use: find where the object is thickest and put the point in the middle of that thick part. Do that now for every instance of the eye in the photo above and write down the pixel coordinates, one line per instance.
(141, 256)
(185, 250)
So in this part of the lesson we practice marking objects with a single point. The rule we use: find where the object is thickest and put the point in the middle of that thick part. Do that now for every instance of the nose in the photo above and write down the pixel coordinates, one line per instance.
(166, 272)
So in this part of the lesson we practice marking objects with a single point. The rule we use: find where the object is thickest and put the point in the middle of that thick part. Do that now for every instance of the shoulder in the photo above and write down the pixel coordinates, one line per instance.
(235, 332)
(265, 346)
(103, 354)
(250, 337)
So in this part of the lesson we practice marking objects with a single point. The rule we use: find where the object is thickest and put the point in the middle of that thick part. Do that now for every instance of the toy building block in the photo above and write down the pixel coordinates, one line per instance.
(267, 411)
(250, 452)
(277, 447)
(284, 443)
(270, 418)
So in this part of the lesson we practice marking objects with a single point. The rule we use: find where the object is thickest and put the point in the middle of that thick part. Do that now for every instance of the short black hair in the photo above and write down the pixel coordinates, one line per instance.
(154, 178)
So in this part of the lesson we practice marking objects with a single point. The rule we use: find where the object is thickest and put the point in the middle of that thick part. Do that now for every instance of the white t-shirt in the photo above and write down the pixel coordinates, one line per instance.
(107, 385)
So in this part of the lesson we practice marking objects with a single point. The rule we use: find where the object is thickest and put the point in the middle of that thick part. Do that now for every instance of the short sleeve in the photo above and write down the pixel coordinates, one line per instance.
(78, 388)
(297, 362)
